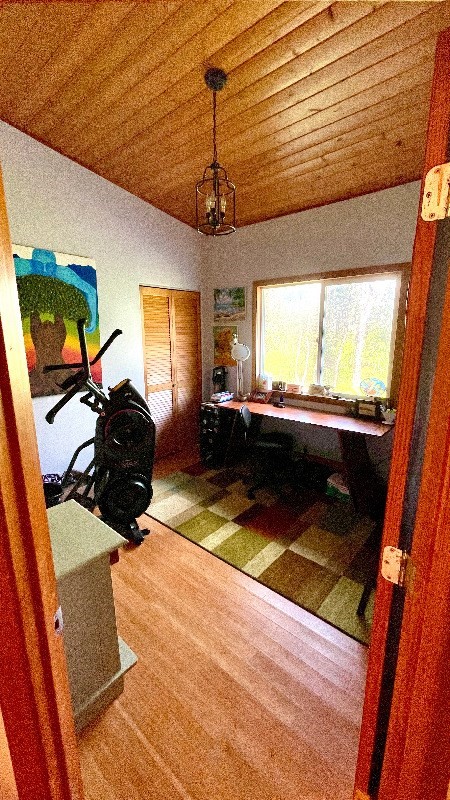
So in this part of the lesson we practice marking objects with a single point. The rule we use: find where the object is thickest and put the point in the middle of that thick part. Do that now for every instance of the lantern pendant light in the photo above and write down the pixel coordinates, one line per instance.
(215, 195)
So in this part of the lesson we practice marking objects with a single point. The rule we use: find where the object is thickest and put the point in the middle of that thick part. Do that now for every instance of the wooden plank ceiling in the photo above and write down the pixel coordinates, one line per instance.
(324, 101)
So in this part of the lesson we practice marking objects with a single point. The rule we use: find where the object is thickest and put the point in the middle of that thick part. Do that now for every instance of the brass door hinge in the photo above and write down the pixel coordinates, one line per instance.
(359, 795)
(397, 567)
(436, 193)
(58, 621)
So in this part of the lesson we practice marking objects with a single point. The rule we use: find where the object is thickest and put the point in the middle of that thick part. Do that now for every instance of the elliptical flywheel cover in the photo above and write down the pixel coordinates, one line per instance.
(125, 498)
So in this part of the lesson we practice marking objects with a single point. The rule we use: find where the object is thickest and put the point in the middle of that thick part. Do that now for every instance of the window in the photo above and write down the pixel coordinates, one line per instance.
(343, 332)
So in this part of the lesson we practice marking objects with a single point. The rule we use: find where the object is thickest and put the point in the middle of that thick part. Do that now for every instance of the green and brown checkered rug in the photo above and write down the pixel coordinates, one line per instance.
(310, 548)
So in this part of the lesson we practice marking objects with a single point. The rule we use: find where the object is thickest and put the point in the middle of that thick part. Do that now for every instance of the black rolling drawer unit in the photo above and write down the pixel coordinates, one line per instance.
(215, 431)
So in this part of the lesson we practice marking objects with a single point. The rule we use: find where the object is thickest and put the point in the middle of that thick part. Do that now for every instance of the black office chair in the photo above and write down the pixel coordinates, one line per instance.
(270, 454)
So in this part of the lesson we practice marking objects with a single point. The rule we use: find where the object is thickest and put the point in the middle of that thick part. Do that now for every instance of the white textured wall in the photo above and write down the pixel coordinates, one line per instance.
(374, 229)
(55, 204)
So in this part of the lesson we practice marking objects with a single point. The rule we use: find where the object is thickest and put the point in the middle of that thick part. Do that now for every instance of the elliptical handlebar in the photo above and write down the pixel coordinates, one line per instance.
(83, 378)
(50, 415)
(108, 342)
(85, 364)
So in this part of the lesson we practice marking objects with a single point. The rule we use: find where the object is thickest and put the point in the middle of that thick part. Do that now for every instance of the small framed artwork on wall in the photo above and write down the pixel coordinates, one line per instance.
(223, 341)
(229, 304)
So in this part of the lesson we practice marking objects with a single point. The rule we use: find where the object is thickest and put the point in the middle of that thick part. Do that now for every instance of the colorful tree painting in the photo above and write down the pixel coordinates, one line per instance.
(55, 290)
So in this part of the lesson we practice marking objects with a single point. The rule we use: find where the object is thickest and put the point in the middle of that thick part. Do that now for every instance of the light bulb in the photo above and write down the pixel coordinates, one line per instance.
(210, 202)
(223, 204)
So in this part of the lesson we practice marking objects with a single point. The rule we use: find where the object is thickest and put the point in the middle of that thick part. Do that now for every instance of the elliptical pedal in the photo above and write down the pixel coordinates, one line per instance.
(130, 531)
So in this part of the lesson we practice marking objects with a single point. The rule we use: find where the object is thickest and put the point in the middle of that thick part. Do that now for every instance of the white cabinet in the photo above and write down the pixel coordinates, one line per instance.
(97, 658)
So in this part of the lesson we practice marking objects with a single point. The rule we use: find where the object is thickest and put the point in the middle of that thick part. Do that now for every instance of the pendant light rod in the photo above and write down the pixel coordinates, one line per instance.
(215, 195)
(214, 129)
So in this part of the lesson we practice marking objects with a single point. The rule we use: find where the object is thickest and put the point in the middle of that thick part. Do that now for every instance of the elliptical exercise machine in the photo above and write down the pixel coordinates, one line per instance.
(120, 472)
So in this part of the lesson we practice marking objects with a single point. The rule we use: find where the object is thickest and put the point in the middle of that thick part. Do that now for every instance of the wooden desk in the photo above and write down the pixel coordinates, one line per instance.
(338, 422)
(366, 490)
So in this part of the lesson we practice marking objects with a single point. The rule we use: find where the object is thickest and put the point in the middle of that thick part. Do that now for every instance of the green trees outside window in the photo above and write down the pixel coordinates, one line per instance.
(336, 332)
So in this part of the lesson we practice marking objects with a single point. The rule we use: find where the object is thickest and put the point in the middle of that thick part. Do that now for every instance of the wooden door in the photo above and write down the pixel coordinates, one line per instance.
(405, 745)
(158, 364)
(172, 366)
(34, 689)
(188, 368)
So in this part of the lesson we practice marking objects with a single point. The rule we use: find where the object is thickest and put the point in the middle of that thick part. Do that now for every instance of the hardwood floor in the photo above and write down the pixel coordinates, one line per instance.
(179, 461)
(237, 694)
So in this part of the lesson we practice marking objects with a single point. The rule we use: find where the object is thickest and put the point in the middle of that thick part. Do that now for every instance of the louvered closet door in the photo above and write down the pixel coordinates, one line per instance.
(159, 389)
(187, 366)
(172, 366)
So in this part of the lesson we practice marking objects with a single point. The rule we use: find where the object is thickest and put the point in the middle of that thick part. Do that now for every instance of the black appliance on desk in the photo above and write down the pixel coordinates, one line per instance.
(219, 379)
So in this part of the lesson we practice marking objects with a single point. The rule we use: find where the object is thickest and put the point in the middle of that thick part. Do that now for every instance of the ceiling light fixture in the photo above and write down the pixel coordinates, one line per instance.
(215, 195)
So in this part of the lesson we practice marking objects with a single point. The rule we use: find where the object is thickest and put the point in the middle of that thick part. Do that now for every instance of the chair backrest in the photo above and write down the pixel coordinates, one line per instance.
(246, 417)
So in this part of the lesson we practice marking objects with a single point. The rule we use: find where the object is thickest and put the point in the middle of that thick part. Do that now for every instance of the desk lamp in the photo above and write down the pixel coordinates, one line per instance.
(239, 353)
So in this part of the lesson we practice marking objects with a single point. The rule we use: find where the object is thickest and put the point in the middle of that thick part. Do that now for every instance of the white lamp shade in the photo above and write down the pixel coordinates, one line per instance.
(240, 352)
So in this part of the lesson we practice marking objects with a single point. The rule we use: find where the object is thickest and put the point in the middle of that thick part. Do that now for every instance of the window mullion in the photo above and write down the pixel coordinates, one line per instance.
(393, 334)
(320, 334)
(262, 332)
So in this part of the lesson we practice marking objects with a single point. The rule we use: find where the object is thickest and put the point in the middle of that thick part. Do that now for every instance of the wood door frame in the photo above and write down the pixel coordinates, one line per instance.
(417, 613)
(34, 688)
(417, 759)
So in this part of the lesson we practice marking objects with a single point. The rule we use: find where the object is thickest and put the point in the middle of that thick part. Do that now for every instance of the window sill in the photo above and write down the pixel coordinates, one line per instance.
(314, 402)
(341, 405)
